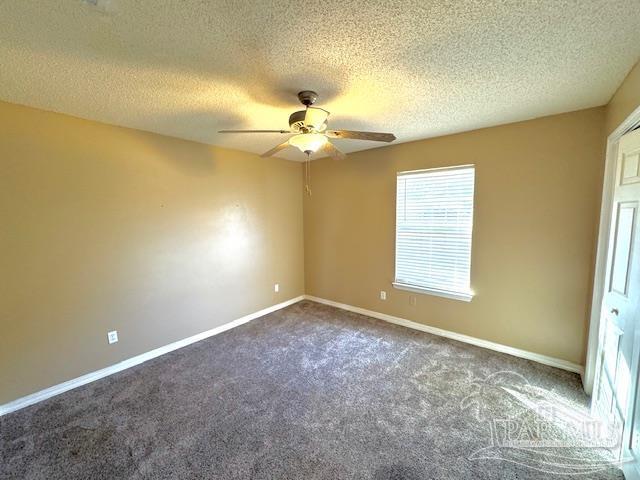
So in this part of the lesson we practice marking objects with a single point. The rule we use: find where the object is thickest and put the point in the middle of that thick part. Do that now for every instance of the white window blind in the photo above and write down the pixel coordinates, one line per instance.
(434, 219)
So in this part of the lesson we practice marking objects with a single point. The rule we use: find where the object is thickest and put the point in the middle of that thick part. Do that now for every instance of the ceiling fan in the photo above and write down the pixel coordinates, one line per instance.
(311, 135)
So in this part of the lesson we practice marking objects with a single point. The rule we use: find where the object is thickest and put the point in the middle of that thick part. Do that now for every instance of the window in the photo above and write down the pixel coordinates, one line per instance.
(434, 218)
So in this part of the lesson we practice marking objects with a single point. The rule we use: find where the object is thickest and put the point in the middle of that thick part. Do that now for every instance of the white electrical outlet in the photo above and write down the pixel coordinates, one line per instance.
(412, 300)
(276, 287)
(112, 336)
(383, 295)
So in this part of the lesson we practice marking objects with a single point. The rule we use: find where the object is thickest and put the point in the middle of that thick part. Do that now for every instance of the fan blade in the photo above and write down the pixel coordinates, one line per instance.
(276, 149)
(330, 149)
(375, 136)
(254, 131)
(315, 117)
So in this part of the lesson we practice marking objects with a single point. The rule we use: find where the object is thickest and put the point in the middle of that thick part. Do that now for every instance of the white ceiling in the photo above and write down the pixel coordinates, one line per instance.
(417, 68)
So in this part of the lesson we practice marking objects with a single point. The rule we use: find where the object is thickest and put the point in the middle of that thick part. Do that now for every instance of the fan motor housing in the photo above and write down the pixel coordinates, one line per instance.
(296, 121)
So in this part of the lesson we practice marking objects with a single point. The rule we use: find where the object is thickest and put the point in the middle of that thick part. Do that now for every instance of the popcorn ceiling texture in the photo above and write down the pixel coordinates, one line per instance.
(415, 68)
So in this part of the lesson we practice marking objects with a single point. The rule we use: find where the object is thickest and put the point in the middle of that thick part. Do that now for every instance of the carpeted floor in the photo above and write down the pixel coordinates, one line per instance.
(308, 392)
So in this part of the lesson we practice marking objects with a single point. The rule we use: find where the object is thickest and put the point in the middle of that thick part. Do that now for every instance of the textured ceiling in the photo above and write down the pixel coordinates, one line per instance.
(418, 68)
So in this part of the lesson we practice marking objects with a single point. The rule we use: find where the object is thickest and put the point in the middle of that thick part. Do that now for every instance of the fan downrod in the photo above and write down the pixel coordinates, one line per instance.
(307, 97)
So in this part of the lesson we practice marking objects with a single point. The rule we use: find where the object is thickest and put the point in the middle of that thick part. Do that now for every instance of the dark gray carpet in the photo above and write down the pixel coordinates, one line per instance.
(308, 392)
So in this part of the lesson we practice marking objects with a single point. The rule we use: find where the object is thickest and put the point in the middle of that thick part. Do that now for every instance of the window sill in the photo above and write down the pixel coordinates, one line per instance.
(465, 297)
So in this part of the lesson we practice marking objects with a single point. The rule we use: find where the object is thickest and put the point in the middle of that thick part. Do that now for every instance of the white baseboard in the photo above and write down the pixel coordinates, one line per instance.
(516, 352)
(138, 359)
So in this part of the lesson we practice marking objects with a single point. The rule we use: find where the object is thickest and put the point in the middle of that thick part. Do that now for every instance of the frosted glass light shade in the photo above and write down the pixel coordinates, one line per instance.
(308, 142)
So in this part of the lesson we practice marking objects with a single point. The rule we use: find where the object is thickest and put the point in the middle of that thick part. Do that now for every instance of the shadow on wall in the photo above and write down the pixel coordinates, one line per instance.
(186, 157)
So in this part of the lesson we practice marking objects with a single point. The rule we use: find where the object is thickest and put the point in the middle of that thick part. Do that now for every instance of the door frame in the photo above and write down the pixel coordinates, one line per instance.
(604, 230)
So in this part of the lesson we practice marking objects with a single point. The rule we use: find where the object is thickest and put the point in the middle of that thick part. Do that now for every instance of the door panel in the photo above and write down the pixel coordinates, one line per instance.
(623, 238)
(630, 167)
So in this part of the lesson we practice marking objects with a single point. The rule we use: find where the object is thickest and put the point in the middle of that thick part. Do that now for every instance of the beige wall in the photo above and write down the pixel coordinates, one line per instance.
(624, 101)
(110, 228)
(536, 204)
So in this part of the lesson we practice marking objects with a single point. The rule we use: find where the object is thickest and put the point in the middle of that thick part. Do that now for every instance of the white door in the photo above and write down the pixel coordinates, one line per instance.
(616, 396)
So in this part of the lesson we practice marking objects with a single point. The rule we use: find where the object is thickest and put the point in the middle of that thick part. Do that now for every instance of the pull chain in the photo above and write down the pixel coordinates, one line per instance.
(307, 173)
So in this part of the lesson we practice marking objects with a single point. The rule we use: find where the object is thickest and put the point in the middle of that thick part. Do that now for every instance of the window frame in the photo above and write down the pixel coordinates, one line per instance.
(455, 295)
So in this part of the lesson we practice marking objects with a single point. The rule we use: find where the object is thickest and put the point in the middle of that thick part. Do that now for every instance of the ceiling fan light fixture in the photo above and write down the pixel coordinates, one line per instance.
(309, 127)
(308, 142)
